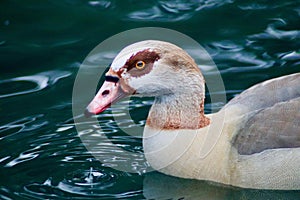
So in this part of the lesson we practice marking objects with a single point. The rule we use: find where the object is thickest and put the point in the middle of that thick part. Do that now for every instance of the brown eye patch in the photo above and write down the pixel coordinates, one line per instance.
(146, 56)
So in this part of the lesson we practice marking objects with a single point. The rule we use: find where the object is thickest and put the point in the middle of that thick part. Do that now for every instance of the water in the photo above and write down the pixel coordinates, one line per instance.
(41, 47)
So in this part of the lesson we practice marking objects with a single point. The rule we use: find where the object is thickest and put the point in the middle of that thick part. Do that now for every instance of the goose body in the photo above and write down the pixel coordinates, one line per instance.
(253, 142)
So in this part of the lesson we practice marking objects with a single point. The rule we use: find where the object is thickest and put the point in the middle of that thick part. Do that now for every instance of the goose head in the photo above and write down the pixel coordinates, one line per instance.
(156, 69)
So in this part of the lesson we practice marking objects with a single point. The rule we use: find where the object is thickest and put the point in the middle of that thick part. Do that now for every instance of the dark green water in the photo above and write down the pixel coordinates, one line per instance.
(42, 44)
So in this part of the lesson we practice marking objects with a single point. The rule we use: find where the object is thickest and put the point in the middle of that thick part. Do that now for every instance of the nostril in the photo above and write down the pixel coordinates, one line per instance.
(105, 92)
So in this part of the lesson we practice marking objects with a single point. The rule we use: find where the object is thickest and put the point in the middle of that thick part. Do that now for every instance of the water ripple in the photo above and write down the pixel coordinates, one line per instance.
(62, 43)
(23, 157)
(233, 58)
(272, 32)
(263, 5)
(40, 82)
(292, 56)
(83, 184)
(101, 3)
(2, 42)
(21, 125)
(30, 84)
(171, 11)
(82, 181)
(97, 183)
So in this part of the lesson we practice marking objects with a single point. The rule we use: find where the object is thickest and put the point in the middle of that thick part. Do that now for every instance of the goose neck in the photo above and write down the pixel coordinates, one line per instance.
(178, 111)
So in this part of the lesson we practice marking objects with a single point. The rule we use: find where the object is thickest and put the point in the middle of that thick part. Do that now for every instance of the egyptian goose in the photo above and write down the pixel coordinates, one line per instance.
(252, 142)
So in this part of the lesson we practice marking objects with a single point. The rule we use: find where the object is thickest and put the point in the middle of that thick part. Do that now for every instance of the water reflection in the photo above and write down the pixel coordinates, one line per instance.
(105, 184)
(160, 186)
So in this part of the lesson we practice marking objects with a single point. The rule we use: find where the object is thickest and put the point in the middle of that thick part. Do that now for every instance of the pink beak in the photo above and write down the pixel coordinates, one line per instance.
(109, 93)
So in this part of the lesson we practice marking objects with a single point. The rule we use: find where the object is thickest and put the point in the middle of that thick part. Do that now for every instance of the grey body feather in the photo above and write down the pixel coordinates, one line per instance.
(272, 112)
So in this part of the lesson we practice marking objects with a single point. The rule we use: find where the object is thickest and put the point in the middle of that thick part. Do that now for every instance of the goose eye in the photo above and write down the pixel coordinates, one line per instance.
(140, 64)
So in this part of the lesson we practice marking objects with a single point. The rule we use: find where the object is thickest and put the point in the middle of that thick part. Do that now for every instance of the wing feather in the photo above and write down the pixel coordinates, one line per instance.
(273, 110)
(271, 128)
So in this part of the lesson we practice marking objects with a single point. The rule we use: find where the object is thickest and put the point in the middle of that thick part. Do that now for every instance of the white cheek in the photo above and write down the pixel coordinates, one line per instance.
(136, 83)
(149, 85)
